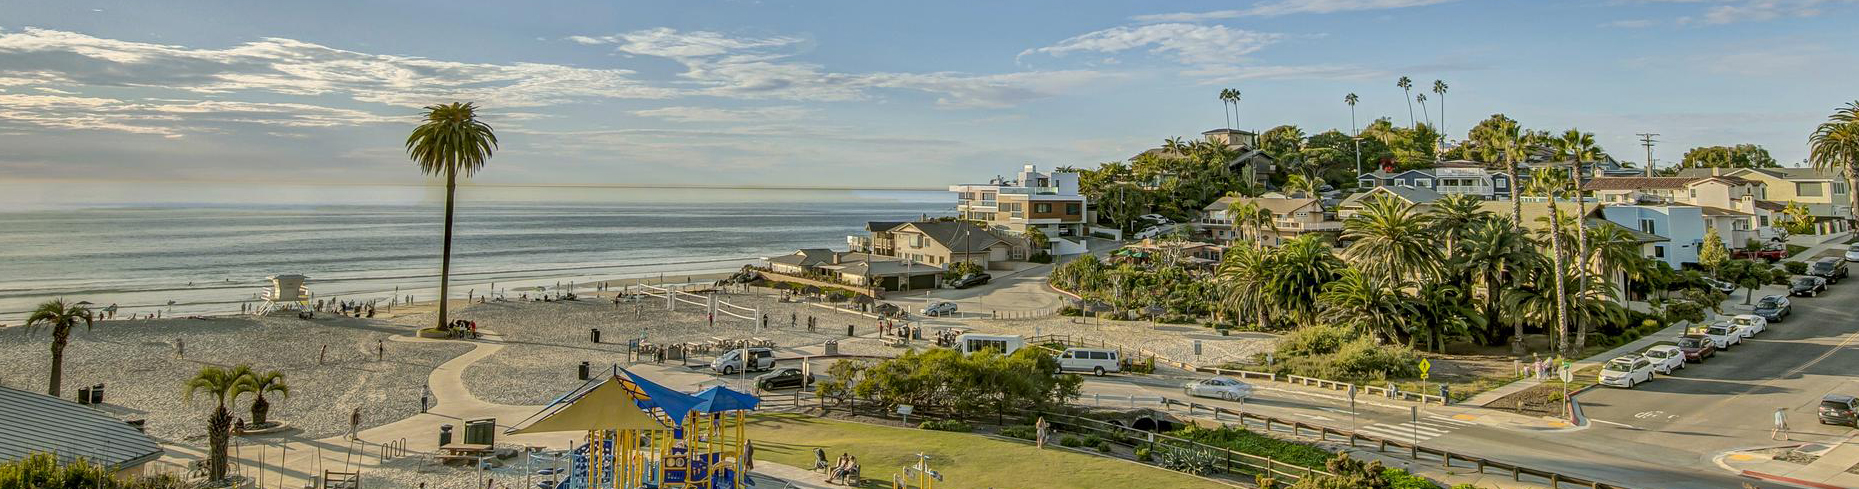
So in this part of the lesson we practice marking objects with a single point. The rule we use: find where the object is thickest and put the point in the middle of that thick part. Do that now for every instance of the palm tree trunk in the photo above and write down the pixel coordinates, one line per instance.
(1410, 106)
(1562, 305)
(1516, 197)
(261, 410)
(445, 260)
(61, 336)
(219, 429)
(1581, 249)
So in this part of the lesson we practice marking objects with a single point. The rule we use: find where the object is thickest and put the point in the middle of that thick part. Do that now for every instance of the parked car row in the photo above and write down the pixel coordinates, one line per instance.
(1634, 369)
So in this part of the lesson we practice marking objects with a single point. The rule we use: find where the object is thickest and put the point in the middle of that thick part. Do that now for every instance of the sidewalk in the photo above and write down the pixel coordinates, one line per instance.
(1827, 471)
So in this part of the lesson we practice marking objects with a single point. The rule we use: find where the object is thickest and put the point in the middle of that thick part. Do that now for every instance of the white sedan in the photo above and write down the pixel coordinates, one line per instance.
(1227, 388)
(1749, 324)
(1852, 254)
(1665, 358)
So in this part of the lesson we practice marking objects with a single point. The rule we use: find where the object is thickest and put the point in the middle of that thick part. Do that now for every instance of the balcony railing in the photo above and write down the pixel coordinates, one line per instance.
(1307, 226)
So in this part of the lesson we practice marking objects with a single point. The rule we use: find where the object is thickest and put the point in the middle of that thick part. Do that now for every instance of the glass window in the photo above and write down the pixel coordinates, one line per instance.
(1658, 251)
(1807, 189)
(1839, 188)
(1042, 208)
(1649, 226)
(1074, 209)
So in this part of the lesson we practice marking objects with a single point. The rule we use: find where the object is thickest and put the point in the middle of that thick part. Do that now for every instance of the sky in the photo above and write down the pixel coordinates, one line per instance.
(869, 94)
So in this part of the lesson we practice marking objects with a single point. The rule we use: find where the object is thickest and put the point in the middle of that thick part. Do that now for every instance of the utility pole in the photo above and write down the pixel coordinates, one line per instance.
(1646, 139)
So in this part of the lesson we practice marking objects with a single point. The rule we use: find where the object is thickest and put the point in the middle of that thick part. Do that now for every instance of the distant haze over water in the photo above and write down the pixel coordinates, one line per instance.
(141, 245)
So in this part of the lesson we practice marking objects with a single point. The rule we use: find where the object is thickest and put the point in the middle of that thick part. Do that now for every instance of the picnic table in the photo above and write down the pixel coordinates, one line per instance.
(469, 452)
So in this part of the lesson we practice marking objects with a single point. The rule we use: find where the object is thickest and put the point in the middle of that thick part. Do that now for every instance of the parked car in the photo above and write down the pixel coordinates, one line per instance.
(1830, 268)
(1227, 388)
(1098, 361)
(1770, 255)
(970, 280)
(1852, 254)
(730, 362)
(1721, 286)
(1749, 324)
(1155, 218)
(1696, 347)
(1839, 409)
(1774, 308)
(782, 378)
(1665, 358)
(1626, 371)
(1723, 335)
(1807, 286)
(939, 308)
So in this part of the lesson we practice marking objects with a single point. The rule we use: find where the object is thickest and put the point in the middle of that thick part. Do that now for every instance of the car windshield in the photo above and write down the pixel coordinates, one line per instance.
(1823, 266)
(1719, 330)
(1804, 282)
(1741, 321)
(1619, 366)
(1690, 343)
(1658, 353)
(1769, 303)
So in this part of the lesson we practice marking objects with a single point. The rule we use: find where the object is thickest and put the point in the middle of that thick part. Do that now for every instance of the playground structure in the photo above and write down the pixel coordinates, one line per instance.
(642, 434)
(709, 303)
(287, 292)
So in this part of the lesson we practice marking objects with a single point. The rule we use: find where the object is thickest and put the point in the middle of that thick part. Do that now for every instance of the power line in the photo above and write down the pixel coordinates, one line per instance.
(1646, 139)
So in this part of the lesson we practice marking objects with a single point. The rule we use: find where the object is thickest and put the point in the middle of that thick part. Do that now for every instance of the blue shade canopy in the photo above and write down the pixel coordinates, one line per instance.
(675, 404)
(720, 399)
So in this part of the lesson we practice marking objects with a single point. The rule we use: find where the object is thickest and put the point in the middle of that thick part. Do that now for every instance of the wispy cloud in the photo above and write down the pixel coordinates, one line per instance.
(1717, 12)
(168, 117)
(1186, 43)
(1288, 7)
(1630, 24)
(715, 114)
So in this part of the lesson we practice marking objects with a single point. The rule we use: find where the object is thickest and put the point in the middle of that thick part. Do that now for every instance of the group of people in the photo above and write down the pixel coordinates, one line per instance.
(843, 471)
(1544, 369)
(346, 308)
(462, 328)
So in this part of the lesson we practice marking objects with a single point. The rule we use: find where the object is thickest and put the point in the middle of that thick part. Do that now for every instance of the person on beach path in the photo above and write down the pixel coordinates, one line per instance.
(355, 423)
(425, 396)
(180, 348)
(380, 350)
(1781, 425)
(809, 324)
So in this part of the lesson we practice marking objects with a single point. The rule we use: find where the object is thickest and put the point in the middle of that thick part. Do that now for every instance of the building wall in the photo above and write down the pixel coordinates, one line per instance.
(1069, 210)
(1682, 226)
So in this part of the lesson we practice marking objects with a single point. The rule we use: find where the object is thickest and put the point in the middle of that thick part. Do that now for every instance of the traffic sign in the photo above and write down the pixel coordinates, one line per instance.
(1425, 366)
(1568, 374)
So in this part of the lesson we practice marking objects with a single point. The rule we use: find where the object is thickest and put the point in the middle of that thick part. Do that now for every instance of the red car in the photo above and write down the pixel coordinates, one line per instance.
(1696, 347)
(1770, 255)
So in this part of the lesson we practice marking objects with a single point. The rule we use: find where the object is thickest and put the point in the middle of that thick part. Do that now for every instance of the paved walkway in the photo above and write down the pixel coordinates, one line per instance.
(1828, 471)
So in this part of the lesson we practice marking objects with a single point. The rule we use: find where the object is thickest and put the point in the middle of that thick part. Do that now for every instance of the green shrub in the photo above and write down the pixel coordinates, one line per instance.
(1649, 323)
(41, 469)
(1464, 485)
(1143, 455)
(1401, 479)
(1041, 258)
(1021, 432)
(1264, 482)
(1795, 267)
(1312, 341)
(1090, 440)
(1070, 441)
(1103, 447)
(955, 425)
(1246, 441)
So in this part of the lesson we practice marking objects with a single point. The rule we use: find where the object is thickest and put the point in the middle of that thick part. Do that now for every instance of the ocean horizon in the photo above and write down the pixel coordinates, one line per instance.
(209, 247)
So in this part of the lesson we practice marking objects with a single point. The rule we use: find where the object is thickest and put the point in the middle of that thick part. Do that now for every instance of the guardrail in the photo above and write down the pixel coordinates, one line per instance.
(1381, 444)
(1326, 384)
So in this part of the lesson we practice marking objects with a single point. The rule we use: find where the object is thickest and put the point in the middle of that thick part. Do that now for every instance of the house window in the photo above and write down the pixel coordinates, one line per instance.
(1074, 209)
(1500, 183)
(1366, 182)
(1762, 221)
(1839, 188)
(1658, 251)
(1425, 182)
(1694, 193)
(1648, 226)
(1042, 208)
(1807, 189)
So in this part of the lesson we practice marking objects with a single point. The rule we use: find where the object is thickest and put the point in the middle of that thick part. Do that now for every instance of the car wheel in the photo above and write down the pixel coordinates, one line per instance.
(1629, 382)
(1228, 396)
(729, 370)
(1098, 370)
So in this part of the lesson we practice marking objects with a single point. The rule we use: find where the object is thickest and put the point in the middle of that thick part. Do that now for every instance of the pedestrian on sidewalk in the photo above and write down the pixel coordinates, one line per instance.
(425, 396)
(180, 348)
(380, 350)
(355, 424)
(1781, 425)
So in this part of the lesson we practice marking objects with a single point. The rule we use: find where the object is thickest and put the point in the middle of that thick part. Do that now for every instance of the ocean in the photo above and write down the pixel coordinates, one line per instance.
(208, 247)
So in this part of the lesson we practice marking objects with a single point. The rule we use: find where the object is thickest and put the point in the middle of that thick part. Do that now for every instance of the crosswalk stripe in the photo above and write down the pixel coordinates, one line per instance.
(1431, 430)
(1444, 419)
(1390, 433)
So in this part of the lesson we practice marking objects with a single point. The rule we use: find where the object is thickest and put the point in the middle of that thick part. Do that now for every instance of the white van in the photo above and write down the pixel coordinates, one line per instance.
(1003, 344)
(1095, 360)
(730, 362)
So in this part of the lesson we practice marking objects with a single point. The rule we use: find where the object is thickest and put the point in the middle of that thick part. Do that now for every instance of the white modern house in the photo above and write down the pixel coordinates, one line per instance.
(1047, 201)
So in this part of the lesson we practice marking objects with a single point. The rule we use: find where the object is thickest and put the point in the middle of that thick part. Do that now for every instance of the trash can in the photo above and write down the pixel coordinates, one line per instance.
(832, 347)
(593, 334)
(83, 395)
(96, 394)
(849, 330)
(583, 370)
(445, 435)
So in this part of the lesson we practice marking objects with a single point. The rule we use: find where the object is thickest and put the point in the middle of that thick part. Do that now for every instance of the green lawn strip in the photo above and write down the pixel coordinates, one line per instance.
(1247, 441)
(965, 460)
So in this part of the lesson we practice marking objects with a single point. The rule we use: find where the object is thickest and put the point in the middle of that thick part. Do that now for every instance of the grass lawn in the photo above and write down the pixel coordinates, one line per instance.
(965, 460)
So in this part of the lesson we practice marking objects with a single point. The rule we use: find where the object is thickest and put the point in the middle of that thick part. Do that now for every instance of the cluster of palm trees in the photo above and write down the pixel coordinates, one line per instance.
(1427, 278)
(224, 386)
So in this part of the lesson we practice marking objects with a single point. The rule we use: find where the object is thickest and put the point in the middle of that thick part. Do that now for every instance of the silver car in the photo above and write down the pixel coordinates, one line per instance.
(1227, 388)
(939, 308)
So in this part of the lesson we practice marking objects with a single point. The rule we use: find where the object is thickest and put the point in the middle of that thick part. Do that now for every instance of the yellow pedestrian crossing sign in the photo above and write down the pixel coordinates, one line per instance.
(1424, 367)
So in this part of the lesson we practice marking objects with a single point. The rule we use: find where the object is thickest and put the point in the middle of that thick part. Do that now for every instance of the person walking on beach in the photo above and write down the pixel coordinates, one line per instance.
(425, 396)
(180, 348)
(380, 350)
(355, 423)
(1781, 425)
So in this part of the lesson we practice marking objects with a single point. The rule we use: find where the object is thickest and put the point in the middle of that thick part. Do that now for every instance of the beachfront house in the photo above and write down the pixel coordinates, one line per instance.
(31, 422)
(945, 243)
(856, 269)
(1047, 201)
(1291, 217)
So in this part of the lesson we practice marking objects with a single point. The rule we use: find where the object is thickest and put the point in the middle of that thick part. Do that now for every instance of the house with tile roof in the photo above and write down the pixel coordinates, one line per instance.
(1824, 193)
(1732, 205)
(857, 268)
(1447, 180)
(945, 243)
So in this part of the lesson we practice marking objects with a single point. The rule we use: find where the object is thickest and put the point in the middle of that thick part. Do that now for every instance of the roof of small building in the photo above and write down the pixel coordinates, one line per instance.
(1636, 183)
(957, 236)
(1412, 195)
(1277, 206)
(805, 258)
(881, 226)
(32, 422)
(1719, 211)
(1782, 173)
(1535, 214)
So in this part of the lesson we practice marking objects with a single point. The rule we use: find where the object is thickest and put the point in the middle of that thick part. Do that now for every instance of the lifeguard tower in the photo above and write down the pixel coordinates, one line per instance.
(286, 292)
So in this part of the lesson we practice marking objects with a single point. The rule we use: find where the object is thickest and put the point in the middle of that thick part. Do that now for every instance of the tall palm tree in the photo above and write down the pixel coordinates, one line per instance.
(222, 384)
(1299, 269)
(60, 317)
(1614, 253)
(1231, 96)
(451, 141)
(1834, 146)
(1547, 184)
(1355, 134)
(1243, 276)
(1578, 147)
(1498, 255)
(1407, 92)
(1439, 88)
(1453, 217)
(1427, 116)
(1391, 242)
(1511, 141)
(260, 384)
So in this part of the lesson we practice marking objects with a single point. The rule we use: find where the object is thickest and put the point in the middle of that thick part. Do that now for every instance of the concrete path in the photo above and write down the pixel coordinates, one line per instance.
(1827, 471)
